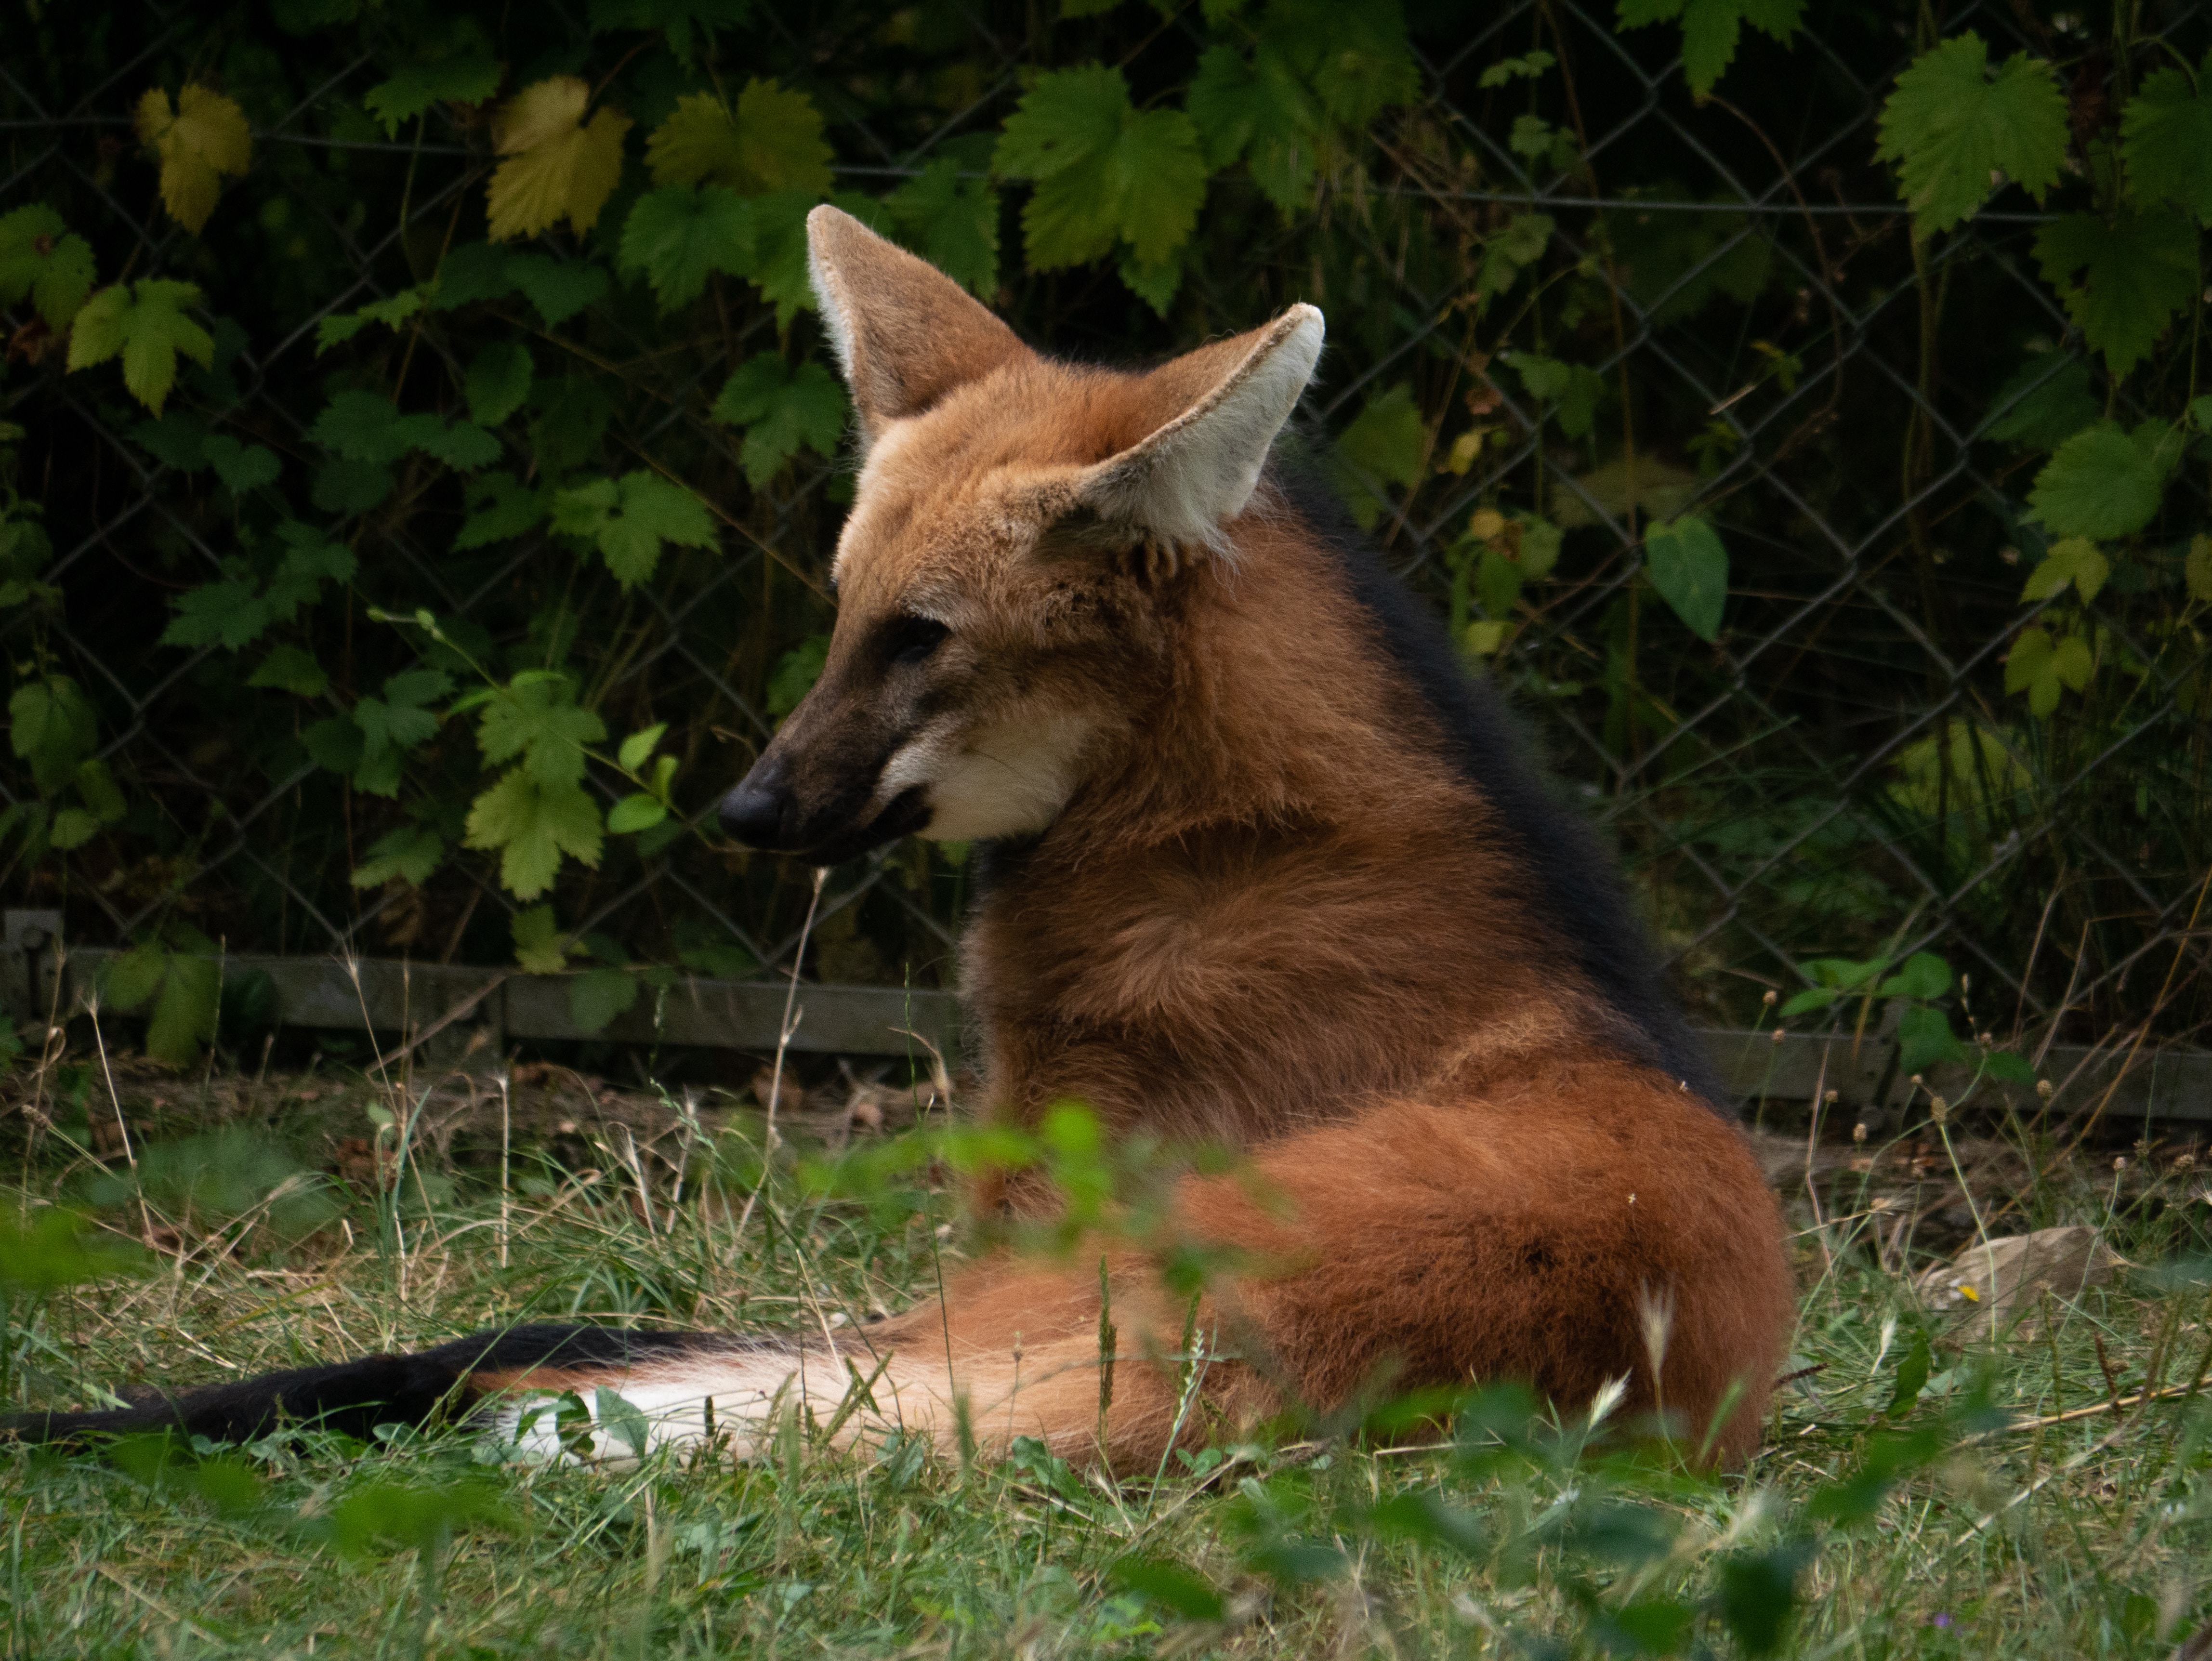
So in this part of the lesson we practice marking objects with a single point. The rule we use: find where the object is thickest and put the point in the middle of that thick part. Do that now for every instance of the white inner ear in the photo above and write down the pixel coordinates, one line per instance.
(835, 305)
(1193, 476)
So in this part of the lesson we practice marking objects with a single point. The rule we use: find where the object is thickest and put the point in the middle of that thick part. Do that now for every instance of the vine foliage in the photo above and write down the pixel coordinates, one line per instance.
(466, 358)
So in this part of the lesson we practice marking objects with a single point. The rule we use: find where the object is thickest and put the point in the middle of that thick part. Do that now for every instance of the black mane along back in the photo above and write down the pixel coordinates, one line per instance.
(1577, 891)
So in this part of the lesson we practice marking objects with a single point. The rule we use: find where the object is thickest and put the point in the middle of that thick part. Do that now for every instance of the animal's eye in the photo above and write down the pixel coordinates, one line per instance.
(911, 639)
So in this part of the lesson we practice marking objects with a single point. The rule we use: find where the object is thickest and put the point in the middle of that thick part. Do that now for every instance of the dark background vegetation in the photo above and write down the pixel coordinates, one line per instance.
(1568, 298)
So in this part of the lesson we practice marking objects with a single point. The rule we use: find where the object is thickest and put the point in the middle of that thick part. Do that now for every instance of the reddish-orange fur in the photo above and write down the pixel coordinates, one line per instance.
(1253, 898)
(1272, 914)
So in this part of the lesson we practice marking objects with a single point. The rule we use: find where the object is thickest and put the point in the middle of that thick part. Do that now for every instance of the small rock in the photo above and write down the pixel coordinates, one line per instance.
(1994, 1283)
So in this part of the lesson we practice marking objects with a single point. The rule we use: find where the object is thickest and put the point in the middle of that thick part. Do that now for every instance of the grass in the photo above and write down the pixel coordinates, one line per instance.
(2000, 1508)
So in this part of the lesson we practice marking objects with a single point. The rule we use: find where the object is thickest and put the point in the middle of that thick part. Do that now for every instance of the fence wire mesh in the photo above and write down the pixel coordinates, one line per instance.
(1841, 771)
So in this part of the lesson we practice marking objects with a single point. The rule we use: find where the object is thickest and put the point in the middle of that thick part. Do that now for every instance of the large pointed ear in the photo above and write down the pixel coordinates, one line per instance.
(1193, 474)
(906, 334)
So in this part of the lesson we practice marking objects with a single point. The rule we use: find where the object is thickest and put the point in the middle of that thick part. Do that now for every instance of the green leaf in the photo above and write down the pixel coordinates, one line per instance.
(538, 945)
(629, 521)
(1574, 388)
(532, 825)
(411, 689)
(229, 614)
(1505, 253)
(1832, 979)
(595, 997)
(618, 1415)
(1507, 69)
(2075, 560)
(2197, 567)
(334, 745)
(1652, 1625)
(393, 725)
(1353, 54)
(463, 446)
(1690, 569)
(499, 381)
(391, 312)
(772, 141)
(1924, 1039)
(2009, 1068)
(500, 506)
(2138, 271)
(472, 272)
(366, 427)
(73, 827)
(1924, 976)
(2166, 135)
(1260, 112)
(61, 1249)
(469, 76)
(637, 812)
(1950, 123)
(2105, 483)
(53, 727)
(410, 854)
(2047, 401)
(1155, 285)
(795, 674)
(675, 20)
(779, 268)
(1710, 29)
(536, 720)
(361, 426)
(310, 560)
(1384, 444)
(679, 234)
(1758, 1594)
(129, 981)
(241, 467)
(2044, 668)
(952, 223)
(1171, 1585)
(145, 323)
(559, 288)
(781, 409)
(421, 1518)
(637, 749)
(99, 790)
(44, 262)
(184, 1015)
(1105, 172)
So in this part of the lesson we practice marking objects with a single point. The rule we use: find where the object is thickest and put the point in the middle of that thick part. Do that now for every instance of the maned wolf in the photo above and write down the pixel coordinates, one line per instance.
(1263, 867)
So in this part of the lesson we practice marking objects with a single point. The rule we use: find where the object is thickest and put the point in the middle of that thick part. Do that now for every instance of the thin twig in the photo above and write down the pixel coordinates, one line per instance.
(791, 1013)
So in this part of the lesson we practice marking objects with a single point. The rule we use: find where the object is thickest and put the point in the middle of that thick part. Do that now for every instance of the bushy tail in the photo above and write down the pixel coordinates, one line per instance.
(355, 1397)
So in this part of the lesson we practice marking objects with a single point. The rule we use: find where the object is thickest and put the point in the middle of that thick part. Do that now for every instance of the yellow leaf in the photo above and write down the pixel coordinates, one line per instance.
(2196, 569)
(203, 136)
(1488, 525)
(2077, 560)
(1464, 449)
(1485, 639)
(773, 143)
(557, 166)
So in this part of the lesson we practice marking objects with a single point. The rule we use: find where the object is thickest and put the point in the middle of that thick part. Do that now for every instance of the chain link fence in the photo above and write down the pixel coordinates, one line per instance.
(1841, 772)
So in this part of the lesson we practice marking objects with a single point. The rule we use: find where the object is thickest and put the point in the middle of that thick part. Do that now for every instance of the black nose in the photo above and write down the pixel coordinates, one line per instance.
(758, 812)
